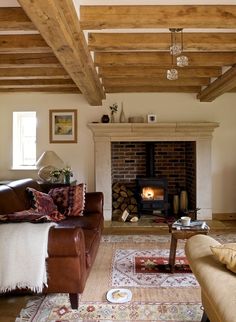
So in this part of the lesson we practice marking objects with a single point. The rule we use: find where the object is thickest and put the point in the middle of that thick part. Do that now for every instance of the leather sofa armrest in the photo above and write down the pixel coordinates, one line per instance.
(66, 242)
(94, 202)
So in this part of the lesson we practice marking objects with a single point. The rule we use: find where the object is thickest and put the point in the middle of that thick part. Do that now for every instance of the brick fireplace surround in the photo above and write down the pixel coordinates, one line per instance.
(199, 132)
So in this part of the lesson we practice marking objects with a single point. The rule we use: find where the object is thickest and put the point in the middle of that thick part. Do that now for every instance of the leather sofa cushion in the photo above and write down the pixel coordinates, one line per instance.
(9, 201)
(19, 187)
(88, 221)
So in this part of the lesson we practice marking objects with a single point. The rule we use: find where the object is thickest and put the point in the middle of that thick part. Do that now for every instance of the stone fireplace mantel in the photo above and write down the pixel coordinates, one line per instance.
(201, 132)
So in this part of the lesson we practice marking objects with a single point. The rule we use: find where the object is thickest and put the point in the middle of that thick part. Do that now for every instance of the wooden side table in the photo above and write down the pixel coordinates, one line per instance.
(181, 234)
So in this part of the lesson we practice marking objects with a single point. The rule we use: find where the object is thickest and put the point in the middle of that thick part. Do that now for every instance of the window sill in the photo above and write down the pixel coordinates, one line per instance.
(24, 168)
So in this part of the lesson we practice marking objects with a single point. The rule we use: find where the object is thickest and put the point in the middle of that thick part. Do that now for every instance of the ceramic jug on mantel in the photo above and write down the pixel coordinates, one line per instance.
(122, 114)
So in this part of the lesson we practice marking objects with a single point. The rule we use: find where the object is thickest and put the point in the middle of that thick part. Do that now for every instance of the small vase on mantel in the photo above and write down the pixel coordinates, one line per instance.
(122, 114)
(105, 118)
(112, 118)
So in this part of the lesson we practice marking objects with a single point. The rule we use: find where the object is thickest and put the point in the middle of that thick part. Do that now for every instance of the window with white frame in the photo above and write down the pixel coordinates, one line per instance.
(24, 140)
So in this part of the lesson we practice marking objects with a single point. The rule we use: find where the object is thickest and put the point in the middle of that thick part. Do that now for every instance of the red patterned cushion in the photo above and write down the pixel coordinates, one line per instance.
(70, 200)
(42, 203)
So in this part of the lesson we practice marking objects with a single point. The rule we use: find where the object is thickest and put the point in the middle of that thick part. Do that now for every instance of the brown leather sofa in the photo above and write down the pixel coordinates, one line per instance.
(72, 244)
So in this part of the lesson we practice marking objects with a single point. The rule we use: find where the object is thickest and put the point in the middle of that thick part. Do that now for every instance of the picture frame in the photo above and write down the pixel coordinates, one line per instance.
(63, 126)
(151, 118)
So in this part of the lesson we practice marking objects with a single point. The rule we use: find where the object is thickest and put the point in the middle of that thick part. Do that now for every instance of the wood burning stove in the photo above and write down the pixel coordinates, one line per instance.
(151, 191)
(152, 195)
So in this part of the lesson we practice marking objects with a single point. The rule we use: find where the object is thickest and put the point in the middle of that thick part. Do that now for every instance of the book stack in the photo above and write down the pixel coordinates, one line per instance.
(194, 225)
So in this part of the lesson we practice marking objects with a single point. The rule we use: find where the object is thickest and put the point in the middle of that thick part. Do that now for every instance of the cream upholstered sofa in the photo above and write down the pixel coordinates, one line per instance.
(218, 284)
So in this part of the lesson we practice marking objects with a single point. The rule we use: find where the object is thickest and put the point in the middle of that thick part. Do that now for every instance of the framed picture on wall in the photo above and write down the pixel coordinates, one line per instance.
(63, 126)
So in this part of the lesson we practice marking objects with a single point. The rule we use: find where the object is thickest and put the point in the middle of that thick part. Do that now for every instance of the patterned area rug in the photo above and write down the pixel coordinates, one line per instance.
(129, 266)
(153, 265)
(162, 303)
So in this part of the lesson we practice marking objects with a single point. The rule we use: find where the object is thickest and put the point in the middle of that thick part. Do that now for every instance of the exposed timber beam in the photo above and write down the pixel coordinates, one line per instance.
(15, 19)
(37, 82)
(161, 41)
(162, 59)
(59, 25)
(149, 72)
(153, 89)
(142, 81)
(28, 60)
(23, 44)
(221, 85)
(166, 16)
(33, 73)
(54, 89)
(38, 86)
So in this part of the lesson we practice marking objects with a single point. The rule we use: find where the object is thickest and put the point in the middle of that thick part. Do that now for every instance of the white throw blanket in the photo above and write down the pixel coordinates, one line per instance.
(23, 249)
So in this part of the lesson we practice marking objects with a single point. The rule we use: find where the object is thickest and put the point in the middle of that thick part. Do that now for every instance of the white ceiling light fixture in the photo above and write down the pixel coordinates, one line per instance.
(176, 49)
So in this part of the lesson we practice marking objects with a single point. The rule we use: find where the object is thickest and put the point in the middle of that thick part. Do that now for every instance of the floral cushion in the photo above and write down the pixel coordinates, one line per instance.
(70, 200)
(43, 204)
(30, 216)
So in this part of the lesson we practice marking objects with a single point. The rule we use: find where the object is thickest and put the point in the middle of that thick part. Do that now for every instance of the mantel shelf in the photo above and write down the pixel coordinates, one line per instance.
(147, 131)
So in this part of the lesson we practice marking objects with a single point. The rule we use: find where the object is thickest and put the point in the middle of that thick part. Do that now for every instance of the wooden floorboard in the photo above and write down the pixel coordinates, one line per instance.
(10, 306)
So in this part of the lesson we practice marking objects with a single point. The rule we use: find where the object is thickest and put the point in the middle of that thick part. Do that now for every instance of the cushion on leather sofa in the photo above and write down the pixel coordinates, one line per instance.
(70, 200)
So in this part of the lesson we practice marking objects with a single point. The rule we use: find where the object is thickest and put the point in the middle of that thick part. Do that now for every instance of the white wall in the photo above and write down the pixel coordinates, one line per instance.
(167, 107)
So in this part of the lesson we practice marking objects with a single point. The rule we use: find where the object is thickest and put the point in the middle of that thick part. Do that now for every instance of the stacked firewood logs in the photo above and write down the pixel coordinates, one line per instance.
(122, 199)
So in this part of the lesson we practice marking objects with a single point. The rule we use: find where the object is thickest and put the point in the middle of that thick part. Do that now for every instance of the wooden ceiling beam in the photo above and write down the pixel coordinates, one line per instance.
(33, 73)
(149, 72)
(153, 89)
(221, 85)
(162, 59)
(23, 44)
(15, 19)
(39, 86)
(59, 25)
(158, 16)
(36, 82)
(143, 81)
(28, 60)
(59, 90)
(161, 41)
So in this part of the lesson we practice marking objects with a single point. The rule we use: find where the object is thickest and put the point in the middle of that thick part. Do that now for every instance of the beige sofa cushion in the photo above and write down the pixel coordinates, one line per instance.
(226, 254)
